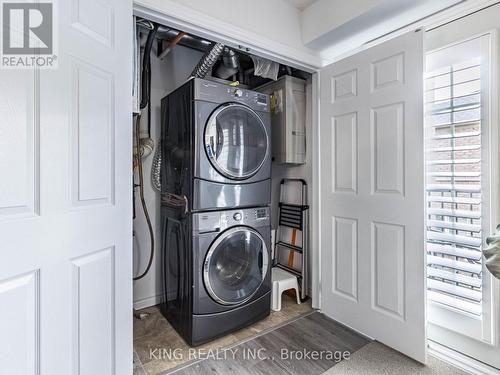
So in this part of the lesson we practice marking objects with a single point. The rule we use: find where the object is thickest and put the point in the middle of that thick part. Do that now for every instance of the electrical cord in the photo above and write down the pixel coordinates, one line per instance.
(145, 101)
(143, 201)
(146, 67)
(149, 99)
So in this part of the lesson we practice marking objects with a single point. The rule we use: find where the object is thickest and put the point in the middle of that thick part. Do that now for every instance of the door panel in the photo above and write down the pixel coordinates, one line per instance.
(65, 212)
(21, 320)
(344, 141)
(93, 285)
(372, 193)
(387, 145)
(92, 134)
(18, 144)
(388, 250)
(345, 263)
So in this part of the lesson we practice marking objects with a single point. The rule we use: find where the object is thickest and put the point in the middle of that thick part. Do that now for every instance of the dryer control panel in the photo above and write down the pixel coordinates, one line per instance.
(216, 92)
(208, 222)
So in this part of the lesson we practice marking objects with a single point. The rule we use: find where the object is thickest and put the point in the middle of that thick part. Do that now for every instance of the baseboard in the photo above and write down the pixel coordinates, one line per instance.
(460, 360)
(147, 302)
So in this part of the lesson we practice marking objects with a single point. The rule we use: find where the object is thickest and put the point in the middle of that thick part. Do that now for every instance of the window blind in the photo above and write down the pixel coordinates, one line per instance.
(453, 169)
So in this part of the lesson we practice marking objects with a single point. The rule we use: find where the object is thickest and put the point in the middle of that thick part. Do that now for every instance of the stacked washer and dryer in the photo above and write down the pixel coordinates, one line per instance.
(216, 192)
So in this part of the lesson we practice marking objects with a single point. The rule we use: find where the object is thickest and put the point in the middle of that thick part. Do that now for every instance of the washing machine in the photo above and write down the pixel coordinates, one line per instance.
(216, 145)
(216, 271)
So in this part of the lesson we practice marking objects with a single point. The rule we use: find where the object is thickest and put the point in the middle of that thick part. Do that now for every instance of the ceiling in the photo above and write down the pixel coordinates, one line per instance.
(300, 4)
(335, 30)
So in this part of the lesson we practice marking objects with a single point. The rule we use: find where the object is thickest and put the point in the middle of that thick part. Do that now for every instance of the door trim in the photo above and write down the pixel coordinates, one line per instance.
(459, 360)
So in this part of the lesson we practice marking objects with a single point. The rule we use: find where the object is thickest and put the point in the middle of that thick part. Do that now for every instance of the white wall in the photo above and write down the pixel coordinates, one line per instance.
(276, 19)
(322, 16)
(266, 28)
(336, 27)
(166, 76)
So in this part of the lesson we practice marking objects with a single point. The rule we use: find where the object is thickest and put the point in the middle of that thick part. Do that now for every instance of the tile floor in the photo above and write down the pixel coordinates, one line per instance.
(155, 334)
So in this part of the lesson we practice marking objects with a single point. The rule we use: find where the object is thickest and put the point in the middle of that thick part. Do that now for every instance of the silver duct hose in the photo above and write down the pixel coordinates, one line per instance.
(230, 64)
(207, 61)
(156, 169)
(200, 71)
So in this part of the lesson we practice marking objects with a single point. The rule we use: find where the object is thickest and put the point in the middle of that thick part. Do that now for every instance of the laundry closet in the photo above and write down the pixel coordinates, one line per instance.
(186, 90)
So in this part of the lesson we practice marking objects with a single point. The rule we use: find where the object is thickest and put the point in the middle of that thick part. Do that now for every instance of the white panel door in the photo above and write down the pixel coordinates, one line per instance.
(65, 200)
(372, 193)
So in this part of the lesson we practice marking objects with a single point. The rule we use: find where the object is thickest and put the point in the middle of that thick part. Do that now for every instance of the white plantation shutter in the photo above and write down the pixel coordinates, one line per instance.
(453, 168)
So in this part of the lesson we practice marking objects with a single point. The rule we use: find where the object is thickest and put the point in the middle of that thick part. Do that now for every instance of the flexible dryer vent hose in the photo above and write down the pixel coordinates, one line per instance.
(156, 168)
(200, 71)
(207, 61)
(143, 201)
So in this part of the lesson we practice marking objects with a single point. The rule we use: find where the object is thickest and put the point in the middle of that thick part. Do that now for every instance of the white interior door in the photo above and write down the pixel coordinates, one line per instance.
(372, 197)
(65, 200)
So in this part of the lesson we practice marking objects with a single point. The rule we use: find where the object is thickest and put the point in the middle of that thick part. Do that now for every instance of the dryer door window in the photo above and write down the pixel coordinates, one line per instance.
(236, 141)
(235, 266)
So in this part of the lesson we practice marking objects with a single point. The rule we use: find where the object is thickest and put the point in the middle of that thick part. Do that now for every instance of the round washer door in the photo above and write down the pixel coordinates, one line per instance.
(236, 141)
(235, 266)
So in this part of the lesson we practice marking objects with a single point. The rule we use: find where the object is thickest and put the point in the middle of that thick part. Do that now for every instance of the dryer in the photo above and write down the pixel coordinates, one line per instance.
(216, 144)
(216, 271)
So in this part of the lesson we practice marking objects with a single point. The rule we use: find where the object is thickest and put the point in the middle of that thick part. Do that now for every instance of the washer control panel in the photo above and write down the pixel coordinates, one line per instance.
(217, 92)
(261, 213)
(208, 222)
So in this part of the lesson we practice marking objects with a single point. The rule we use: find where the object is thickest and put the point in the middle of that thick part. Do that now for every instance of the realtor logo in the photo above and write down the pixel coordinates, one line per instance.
(27, 35)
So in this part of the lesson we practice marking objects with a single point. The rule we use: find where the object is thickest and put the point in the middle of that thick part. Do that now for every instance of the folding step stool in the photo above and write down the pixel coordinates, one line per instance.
(294, 217)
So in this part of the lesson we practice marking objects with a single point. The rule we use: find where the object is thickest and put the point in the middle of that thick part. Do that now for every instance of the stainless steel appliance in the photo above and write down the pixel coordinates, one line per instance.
(216, 142)
(217, 272)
